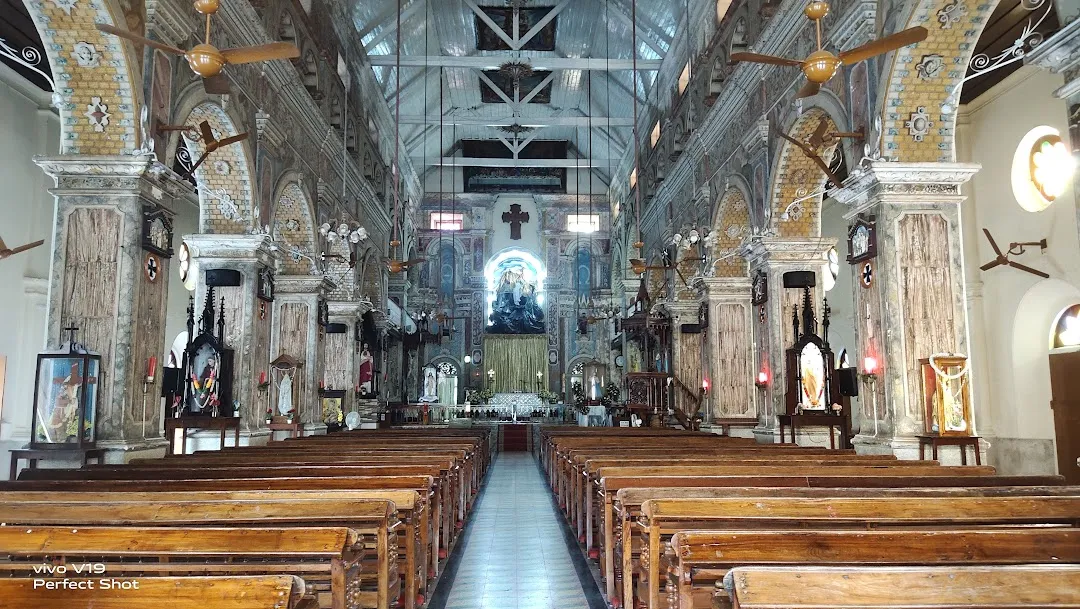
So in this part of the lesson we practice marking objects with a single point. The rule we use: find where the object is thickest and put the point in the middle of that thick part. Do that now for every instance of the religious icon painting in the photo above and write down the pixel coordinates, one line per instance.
(862, 240)
(265, 287)
(151, 267)
(157, 231)
(65, 398)
(866, 275)
(946, 395)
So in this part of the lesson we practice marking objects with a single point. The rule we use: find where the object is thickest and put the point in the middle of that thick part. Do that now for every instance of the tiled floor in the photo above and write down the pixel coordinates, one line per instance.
(516, 552)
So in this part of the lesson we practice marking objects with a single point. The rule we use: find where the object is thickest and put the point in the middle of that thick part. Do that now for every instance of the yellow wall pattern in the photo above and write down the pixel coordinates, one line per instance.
(732, 224)
(796, 177)
(97, 80)
(225, 183)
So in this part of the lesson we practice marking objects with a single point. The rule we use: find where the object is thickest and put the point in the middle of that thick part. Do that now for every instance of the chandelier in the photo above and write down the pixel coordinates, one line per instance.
(352, 232)
(516, 70)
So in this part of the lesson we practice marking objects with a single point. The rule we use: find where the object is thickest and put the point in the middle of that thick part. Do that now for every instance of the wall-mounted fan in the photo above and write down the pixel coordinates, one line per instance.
(212, 145)
(822, 65)
(205, 59)
(6, 252)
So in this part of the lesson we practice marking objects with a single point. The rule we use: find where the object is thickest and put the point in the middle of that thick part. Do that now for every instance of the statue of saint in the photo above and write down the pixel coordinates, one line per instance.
(431, 390)
(367, 375)
(284, 398)
(515, 310)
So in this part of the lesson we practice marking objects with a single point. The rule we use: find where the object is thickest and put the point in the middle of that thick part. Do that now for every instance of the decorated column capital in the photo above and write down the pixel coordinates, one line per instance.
(784, 251)
(912, 183)
(257, 248)
(1060, 54)
(718, 287)
(304, 284)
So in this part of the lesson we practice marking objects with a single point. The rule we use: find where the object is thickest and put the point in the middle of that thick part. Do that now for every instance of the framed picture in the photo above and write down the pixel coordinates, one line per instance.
(265, 289)
(862, 240)
(331, 404)
(157, 230)
(65, 399)
(760, 288)
(946, 396)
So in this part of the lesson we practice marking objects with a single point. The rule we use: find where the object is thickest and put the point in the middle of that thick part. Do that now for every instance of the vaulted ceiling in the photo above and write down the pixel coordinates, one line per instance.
(441, 56)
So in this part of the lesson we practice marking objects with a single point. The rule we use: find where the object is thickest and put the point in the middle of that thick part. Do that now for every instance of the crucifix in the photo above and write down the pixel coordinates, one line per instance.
(514, 218)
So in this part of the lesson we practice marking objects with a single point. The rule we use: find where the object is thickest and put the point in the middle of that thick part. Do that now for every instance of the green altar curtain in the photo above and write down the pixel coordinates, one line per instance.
(515, 358)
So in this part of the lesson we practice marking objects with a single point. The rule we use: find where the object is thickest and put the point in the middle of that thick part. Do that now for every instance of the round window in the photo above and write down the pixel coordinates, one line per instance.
(1042, 168)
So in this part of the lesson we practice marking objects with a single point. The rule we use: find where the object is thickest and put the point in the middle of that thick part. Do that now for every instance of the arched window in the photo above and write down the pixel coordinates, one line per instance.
(447, 271)
(1066, 331)
(583, 273)
(738, 38)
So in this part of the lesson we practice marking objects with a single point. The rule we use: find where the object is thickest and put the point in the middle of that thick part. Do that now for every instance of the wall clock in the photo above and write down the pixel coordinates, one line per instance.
(157, 230)
(862, 240)
(151, 267)
(866, 276)
(760, 288)
(620, 361)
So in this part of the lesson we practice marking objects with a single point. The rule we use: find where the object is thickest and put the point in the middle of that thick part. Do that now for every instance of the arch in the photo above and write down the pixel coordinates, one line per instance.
(911, 100)
(309, 71)
(795, 209)
(226, 185)
(731, 225)
(739, 40)
(292, 225)
(286, 30)
(433, 254)
(100, 117)
(1036, 314)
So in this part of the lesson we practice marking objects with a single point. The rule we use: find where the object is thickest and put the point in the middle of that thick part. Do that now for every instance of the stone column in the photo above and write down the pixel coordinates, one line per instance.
(915, 303)
(730, 348)
(773, 332)
(296, 332)
(99, 282)
(341, 364)
(247, 318)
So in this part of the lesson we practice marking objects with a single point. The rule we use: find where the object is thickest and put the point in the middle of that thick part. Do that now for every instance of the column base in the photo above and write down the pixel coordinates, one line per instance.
(1020, 456)
(901, 446)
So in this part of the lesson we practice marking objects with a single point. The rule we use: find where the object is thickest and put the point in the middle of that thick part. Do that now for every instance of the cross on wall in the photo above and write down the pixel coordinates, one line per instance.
(515, 217)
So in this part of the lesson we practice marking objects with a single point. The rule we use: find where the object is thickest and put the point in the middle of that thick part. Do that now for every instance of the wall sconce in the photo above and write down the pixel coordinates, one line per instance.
(870, 368)
(467, 359)
(705, 386)
(762, 380)
(491, 374)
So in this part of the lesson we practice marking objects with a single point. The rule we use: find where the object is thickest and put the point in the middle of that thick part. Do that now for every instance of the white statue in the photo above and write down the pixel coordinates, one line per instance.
(431, 392)
(284, 401)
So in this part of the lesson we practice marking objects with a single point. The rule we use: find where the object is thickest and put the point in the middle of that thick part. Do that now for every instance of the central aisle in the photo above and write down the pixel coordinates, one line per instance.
(516, 552)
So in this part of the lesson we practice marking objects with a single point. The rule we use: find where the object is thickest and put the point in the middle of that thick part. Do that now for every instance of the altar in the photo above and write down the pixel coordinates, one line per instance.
(516, 404)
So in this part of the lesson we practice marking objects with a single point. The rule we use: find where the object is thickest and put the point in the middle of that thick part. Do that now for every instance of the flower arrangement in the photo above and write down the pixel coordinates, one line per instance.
(269, 415)
(547, 396)
(611, 394)
(290, 416)
(580, 401)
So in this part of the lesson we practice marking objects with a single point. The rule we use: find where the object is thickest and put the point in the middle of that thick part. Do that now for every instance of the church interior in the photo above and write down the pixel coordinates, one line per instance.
(539, 304)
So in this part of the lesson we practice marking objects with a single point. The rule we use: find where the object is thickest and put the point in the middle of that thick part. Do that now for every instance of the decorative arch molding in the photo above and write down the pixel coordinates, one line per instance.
(293, 226)
(226, 185)
(98, 80)
(914, 127)
(732, 224)
(794, 209)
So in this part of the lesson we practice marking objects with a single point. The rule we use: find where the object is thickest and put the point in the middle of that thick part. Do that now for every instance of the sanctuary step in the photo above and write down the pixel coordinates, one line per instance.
(514, 438)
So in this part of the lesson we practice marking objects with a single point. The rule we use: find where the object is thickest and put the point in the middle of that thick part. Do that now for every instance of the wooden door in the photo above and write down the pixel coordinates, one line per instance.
(1065, 402)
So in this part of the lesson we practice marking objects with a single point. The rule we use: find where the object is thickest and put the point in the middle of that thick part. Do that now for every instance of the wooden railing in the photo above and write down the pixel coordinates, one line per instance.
(691, 397)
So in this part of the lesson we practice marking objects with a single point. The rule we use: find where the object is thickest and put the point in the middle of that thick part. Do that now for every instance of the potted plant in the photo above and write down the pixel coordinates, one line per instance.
(290, 416)
(269, 415)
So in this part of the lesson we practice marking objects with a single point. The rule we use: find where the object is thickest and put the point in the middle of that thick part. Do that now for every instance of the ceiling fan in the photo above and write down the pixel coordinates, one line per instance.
(205, 59)
(822, 136)
(813, 156)
(822, 65)
(6, 252)
(1015, 249)
(397, 266)
(212, 145)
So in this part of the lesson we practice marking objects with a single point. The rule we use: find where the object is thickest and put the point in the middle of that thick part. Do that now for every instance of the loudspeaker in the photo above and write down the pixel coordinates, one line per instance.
(223, 278)
(849, 381)
(337, 328)
(800, 279)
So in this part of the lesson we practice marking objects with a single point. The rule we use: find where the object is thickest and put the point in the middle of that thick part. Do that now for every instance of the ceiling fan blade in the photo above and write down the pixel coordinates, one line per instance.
(884, 45)
(989, 265)
(825, 168)
(115, 31)
(817, 139)
(810, 89)
(769, 59)
(1017, 265)
(414, 261)
(191, 172)
(2, 245)
(993, 244)
(23, 248)
(207, 133)
(217, 84)
(265, 52)
(231, 140)
(677, 271)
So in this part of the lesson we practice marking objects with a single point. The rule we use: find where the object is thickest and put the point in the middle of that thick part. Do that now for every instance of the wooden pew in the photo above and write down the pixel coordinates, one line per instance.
(415, 562)
(1013, 587)
(267, 592)
(446, 507)
(700, 559)
(374, 519)
(662, 518)
(327, 559)
(622, 499)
